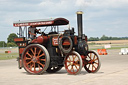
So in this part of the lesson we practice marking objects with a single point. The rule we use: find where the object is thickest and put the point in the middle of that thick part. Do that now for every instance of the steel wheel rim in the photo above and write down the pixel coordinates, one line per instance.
(34, 59)
(73, 63)
(93, 62)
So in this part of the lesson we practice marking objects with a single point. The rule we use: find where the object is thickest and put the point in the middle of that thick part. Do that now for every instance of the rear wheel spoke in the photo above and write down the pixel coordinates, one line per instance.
(43, 59)
(28, 58)
(34, 67)
(29, 55)
(32, 51)
(29, 62)
(41, 55)
(35, 51)
(41, 64)
(39, 52)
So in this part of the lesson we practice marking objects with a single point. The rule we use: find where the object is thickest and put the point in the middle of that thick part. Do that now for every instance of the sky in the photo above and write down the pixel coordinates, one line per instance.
(101, 17)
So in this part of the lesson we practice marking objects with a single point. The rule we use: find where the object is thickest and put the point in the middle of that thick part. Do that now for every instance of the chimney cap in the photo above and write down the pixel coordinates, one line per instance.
(79, 12)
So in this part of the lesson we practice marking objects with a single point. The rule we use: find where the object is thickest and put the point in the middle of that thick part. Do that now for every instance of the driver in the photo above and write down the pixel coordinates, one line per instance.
(32, 32)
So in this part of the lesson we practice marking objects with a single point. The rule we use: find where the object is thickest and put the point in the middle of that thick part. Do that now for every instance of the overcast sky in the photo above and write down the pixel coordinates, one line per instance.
(108, 17)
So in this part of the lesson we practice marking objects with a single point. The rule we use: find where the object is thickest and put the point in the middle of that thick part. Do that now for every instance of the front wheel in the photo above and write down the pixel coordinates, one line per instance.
(92, 62)
(73, 63)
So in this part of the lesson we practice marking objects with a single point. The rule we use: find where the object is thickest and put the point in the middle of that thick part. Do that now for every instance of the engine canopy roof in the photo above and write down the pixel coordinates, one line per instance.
(42, 22)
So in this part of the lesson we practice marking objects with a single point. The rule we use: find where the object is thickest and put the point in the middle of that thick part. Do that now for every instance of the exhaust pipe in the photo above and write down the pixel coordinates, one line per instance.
(82, 44)
(80, 24)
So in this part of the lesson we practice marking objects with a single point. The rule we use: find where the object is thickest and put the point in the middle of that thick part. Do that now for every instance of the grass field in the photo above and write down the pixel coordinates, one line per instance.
(6, 56)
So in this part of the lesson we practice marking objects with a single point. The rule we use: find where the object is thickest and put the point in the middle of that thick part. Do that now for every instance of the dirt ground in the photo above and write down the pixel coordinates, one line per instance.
(113, 71)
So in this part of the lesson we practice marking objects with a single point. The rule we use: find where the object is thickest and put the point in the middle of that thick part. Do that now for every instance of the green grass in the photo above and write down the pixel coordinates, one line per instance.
(6, 56)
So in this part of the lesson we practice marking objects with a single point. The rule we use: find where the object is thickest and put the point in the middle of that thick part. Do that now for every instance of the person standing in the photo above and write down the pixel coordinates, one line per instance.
(32, 32)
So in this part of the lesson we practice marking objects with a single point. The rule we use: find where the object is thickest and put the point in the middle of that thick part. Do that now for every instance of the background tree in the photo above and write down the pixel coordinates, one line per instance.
(11, 38)
(11, 44)
(104, 38)
(93, 39)
(3, 44)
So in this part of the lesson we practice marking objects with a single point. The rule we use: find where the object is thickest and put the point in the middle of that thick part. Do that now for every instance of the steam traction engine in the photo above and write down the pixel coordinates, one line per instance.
(51, 51)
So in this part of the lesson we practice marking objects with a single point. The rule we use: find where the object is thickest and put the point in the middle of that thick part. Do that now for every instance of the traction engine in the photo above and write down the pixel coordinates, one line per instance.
(53, 50)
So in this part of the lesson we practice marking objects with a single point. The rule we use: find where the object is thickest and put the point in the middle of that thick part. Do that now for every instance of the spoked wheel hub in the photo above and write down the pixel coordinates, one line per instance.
(35, 59)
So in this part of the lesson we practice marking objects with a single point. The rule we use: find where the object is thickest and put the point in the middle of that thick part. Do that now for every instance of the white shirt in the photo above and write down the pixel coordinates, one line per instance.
(32, 30)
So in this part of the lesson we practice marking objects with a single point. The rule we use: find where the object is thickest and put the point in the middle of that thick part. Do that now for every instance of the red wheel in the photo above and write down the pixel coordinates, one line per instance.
(73, 63)
(35, 59)
(92, 62)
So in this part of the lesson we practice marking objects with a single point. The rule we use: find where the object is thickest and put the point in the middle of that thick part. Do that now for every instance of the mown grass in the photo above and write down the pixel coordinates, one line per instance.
(6, 56)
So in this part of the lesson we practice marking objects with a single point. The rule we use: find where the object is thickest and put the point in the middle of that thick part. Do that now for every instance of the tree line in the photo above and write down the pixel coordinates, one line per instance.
(10, 41)
(104, 37)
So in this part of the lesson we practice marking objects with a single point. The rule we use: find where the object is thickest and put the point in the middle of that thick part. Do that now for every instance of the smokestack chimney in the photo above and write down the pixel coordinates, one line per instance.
(79, 22)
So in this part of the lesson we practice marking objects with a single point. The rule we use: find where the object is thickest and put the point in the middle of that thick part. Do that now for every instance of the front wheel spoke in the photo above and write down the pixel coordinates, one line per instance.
(88, 66)
(76, 64)
(68, 65)
(90, 56)
(93, 66)
(90, 62)
(76, 67)
(68, 61)
(71, 68)
(74, 57)
(77, 61)
(95, 59)
(69, 58)
(96, 63)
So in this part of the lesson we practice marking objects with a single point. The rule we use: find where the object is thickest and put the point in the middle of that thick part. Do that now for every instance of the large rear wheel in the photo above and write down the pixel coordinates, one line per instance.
(35, 59)
(73, 63)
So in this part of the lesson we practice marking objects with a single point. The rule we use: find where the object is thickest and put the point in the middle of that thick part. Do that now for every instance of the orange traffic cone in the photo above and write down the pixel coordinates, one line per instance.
(102, 51)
